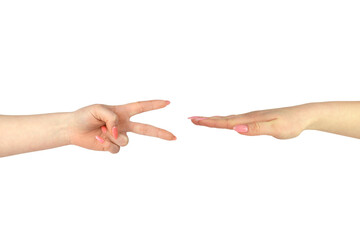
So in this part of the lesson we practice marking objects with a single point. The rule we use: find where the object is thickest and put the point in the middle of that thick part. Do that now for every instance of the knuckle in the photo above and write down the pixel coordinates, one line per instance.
(114, 118)
(97, 106)
(142, 129)
(105, 146)
(256, 129)
(228, 124)
(253, 113)
(158, 134)
(145, 130)
(140, 106)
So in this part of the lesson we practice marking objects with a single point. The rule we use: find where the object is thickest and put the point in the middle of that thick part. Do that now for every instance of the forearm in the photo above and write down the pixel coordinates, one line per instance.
(20, 134)
(335, 117)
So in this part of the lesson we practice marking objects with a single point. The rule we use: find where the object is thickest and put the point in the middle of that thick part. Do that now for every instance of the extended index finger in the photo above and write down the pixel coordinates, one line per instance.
(144, 106)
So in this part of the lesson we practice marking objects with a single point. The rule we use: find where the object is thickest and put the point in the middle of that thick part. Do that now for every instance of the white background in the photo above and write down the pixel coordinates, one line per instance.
(208, 58)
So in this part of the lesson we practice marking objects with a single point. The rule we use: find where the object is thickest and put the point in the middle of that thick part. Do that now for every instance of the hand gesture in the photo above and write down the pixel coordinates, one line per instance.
(103, 127)
(281, 123)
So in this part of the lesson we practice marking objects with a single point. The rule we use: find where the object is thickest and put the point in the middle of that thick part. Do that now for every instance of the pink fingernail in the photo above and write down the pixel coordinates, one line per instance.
(103, 129)
(115, 132)
(241, 128)
(197, 118)
(167, 102)
(100, 139)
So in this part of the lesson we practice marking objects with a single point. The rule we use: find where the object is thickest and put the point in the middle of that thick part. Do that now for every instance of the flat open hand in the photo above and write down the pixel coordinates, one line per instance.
(281, 123)
(103, 127)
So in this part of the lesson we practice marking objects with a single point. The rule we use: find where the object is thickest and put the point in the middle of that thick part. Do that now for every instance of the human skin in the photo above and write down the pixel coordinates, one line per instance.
(341, 118)
(97, 127)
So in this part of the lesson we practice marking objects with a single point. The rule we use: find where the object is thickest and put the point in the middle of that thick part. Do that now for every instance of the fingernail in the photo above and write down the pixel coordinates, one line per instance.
(103, 129)
(100, 139)
(241, 128)
(115, 132)
(197, 118)
(167, 102)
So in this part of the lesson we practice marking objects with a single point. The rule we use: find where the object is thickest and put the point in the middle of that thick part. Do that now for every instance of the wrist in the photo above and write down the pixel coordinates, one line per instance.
(69, 128)
(63, 127)
(311, 112)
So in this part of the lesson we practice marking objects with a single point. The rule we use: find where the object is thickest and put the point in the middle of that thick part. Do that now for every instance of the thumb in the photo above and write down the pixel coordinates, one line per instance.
(255, 128)
(110, 118)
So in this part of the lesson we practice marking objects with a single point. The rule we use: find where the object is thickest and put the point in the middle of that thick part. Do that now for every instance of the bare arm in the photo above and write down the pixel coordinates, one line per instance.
(97, 127)
(20, 134)
(341, 118)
